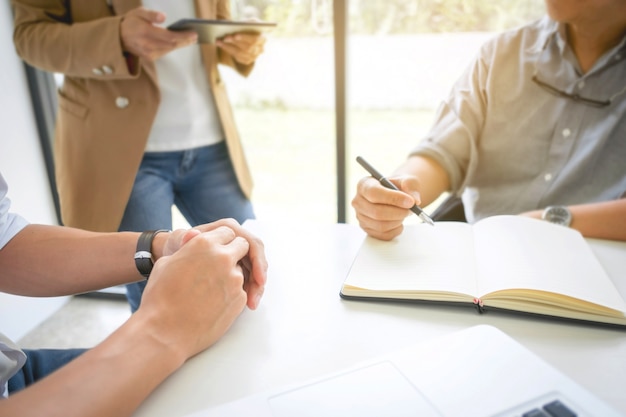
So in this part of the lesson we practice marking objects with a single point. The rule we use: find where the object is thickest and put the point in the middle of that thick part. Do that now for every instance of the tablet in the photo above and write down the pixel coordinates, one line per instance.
(210, 30)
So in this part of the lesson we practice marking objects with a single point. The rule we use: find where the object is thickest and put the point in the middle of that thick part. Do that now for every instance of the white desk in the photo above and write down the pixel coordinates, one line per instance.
(304, 329)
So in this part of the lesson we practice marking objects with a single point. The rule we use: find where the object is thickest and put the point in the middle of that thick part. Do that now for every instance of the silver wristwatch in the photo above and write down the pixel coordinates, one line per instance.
(558, 215)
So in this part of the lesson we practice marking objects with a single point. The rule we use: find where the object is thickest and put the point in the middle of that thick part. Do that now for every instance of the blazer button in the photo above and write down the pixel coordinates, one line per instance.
(107, 70)
(97, 71)
(121, 102)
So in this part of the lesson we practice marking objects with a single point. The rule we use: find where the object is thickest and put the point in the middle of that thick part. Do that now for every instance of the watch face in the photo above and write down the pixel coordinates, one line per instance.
(558, 215)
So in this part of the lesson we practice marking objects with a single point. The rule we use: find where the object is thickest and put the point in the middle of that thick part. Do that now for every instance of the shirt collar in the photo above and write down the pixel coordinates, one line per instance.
(556, 32)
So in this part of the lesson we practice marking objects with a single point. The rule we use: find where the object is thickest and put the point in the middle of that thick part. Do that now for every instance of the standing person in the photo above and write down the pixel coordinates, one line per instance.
(202, 280)
(536, 126)
(144, 121)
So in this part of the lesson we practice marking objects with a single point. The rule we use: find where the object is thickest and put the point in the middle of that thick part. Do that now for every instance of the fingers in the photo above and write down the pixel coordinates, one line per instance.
(227, 243)
(235, 245)
(254, 263)
(380, 230)
(141, 36)
(217, 254)
(256, 256)
(245, 40)
(379, 203)
(243, 47)
(375, 193)
(195, 294)
(370, 219)
(217, 234)
(254, 284)
(248, 250)
(379, 210)
(228, 222)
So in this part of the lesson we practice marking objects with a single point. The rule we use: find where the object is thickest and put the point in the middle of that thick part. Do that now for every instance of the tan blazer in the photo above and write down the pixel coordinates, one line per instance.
(105, 112)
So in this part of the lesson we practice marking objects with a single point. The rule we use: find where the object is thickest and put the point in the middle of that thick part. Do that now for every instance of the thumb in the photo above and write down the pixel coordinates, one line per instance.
(416, 196)
(410, 187)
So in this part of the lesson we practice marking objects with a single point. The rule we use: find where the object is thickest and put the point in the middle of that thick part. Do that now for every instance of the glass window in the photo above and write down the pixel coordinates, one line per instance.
(285, 111)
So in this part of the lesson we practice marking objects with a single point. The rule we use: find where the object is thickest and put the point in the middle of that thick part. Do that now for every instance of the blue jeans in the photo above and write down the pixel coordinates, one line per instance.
(39, 363)
(201, 182)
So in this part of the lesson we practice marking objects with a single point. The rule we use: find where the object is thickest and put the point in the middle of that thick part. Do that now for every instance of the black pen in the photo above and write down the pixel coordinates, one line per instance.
(386, 183)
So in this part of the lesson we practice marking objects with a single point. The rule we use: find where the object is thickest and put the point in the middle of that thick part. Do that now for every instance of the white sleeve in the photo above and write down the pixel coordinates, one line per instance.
(10, 223)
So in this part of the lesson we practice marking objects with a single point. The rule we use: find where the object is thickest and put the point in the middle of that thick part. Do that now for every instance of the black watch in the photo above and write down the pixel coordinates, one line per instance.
(143, 255)
(558, 215)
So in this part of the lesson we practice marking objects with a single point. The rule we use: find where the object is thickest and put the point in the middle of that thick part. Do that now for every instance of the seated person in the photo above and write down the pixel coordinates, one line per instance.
(538, 120)
(201, 281)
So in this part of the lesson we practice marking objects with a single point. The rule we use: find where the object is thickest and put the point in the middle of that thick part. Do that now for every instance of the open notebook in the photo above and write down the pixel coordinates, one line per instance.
(477, 372)
(511, 263)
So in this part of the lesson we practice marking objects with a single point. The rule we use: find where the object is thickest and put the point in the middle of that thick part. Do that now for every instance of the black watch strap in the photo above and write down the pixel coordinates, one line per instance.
(143, 255)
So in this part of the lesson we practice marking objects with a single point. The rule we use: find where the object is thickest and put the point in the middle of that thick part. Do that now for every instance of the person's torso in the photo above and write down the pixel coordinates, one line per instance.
(187, 116)
(537, 148)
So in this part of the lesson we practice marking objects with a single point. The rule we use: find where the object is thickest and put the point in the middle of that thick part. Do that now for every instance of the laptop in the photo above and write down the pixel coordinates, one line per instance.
(479, 371)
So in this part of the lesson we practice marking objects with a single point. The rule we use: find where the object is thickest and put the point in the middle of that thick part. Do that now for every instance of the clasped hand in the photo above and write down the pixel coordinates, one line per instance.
(206, 277)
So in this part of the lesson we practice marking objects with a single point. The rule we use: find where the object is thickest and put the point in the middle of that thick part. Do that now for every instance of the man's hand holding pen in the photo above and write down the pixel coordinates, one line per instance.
(382, 204)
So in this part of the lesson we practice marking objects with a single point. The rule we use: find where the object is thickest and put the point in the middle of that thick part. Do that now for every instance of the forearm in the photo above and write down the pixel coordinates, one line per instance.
(433, 179)
(606, 220)
(601, 220)
(50, 261)
(111, 379)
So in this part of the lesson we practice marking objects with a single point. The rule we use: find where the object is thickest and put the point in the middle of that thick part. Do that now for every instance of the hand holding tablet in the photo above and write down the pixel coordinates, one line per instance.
(210, 30)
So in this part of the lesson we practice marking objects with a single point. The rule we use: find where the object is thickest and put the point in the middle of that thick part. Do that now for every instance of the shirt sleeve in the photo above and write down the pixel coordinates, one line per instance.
(11, 357)
(10, 223)
(453, 138)
(11, 360)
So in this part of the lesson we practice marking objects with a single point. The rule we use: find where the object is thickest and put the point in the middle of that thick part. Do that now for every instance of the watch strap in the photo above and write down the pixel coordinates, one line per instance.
(143, 254)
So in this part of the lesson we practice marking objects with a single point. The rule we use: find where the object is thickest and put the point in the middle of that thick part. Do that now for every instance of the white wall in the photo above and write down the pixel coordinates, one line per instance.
(22, 165)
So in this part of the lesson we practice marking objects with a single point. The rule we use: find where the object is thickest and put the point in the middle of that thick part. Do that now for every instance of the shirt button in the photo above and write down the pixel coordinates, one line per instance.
(566, 133)
(97, 71)
(121, 102)
(547, 177)
(581, 85)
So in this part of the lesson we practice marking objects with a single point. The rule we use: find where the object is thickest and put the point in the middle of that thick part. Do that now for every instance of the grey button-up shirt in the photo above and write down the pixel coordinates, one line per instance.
(511, 145)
